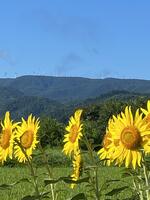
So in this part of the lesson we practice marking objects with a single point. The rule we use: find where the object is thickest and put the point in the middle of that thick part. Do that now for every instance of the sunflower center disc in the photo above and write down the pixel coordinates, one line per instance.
(130, 137)
(73, 133)
(5, 139)
(26, 139)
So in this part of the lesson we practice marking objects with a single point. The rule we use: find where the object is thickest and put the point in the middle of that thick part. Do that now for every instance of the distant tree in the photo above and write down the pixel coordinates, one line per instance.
(96, 116)
(51, 132)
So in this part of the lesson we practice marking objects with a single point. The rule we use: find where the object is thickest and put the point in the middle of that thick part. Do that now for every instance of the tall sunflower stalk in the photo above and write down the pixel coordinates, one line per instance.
(48, 169)
(26, 142)
(95, 184)
(126, 139)
(146, 176)
(71, 146)
(72, 149)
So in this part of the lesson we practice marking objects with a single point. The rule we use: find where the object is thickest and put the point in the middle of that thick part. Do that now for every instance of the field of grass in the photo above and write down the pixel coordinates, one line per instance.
(10, 175)
(62, 166)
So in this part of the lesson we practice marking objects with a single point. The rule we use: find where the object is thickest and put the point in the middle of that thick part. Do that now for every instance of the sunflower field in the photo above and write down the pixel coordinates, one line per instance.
(116, 168)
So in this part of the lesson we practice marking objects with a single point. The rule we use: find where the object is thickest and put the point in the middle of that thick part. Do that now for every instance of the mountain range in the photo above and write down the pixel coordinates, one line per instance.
(47, 95)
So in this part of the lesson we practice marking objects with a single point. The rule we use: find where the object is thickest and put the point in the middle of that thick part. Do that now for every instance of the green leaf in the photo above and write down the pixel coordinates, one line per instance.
(116, 191)
(9, 186)
(126, 174)
(113, 180)
(76, 182)
(144, 188)
(51, 181)
(80, 196)
(100, 161)
(130, 172)
(107, 183)
(35, 197)
(5, 186)
(23, 180)
(90, 167)
(29, 197)
(44, 195)
(66, 180)
(97, 145)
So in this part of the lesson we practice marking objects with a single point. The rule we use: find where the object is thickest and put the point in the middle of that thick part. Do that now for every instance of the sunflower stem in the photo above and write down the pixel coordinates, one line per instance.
(141, 192)
(32, 171)
(146, 180)
(137, 187)
(48, 169)
(96, 187)
(145, 171)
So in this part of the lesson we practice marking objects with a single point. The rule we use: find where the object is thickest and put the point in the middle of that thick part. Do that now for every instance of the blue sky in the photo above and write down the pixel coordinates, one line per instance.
(88, 38)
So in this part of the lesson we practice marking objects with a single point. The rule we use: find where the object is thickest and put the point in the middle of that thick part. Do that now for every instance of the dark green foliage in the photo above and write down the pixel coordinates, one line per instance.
(51, 132)
(34, 94)
(38, 106)
(66, 89)
(96, 116)
(58, 97)
(55, 157)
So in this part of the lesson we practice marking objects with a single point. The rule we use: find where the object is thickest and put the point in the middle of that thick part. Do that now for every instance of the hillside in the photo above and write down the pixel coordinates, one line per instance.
(66, 89)
(38, 106)
(59, 96)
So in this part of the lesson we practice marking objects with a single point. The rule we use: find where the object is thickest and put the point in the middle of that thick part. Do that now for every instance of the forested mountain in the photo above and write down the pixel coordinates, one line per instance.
(25, 105)
(66, 89)
(59, 96)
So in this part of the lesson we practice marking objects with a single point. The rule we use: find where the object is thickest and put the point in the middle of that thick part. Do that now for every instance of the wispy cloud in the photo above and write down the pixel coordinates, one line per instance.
(81, 29)
(69, 62)
(106, 73)
(5, 56)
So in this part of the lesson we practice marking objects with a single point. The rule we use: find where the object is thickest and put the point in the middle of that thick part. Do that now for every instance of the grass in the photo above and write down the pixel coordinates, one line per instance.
(61, 167)
(10, 175)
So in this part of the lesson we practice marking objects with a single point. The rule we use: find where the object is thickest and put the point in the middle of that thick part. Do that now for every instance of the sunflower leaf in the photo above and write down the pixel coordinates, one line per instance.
(5, 186)
(53, 181)
(66, 180)
(43, 194)
(9, 186)
(78, 181)
(80, 196)
(35, 197)
(116, 191)
(113, 180)
(29, 197)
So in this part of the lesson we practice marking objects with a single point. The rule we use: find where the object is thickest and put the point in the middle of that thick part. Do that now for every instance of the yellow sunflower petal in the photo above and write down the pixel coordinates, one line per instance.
(131, 134)
(7, 138)
(74, 134)
(26, 135)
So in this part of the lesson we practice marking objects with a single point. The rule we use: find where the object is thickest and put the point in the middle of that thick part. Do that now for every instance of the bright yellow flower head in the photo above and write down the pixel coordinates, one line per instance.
(26, 135)
(76, 168)
(147, 121)
(128, 133)
(7, 138)
(105, 152)
(74, 134)
(147, 112)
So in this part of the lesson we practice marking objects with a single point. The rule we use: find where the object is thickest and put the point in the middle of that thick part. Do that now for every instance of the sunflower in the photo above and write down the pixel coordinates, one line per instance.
(146, 138)
(105, 152)
(26, 135)
(76, 167)
(147, 112)
(7, 137)
(73, 134)
(128, 132)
